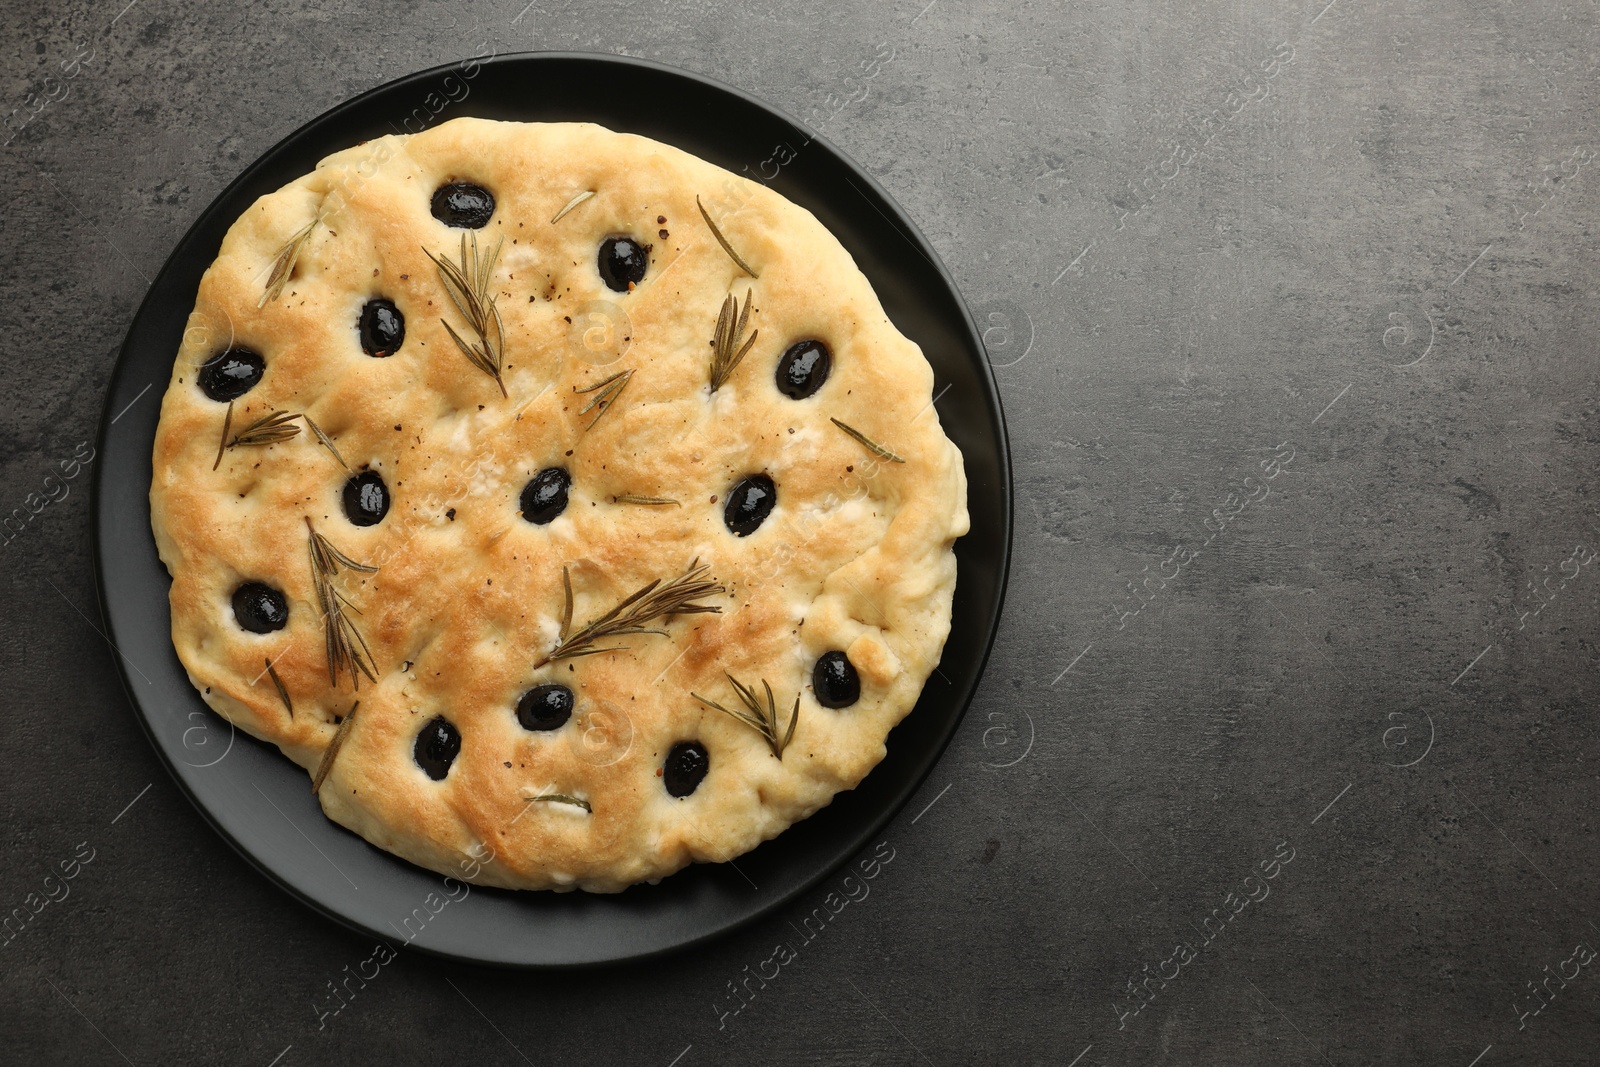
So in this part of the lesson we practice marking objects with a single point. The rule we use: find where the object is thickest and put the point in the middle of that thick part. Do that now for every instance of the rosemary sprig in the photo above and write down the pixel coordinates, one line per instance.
(574, 202)
(605, 392)
(760, 716)
(283, 264)
(562, 798)
(657, 600)
(326, 442)
(283, 694)
(725, 349)
(467, 283)
(723, 241)
(329, 754)
(347, 649)
(267, 430)
(648, 501)
(227, 421)
(868, 443)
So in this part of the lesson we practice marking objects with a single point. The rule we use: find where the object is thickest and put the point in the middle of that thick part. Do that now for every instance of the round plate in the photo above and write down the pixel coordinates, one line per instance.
(259, 801)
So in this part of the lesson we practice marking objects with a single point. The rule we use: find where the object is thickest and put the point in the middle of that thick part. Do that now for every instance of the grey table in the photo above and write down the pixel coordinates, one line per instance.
(1286, 752)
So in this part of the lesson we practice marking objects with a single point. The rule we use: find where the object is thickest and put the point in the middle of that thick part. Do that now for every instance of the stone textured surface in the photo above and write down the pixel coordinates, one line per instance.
(1376, 256)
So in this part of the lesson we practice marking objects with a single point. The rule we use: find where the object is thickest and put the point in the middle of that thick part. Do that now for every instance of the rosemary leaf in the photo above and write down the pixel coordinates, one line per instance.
(326, 442)
(574, 202)
(649, 501)
(656, 600)
(283, 694)
(726, 353)
(723, 241)
(467, 284)
(794, 717)
(566, 613)
(227, 421)
(868, 443)
(758, 714)
(331, 753)
(562, 798)
(594, 651)
(283, 264)
(605, 392)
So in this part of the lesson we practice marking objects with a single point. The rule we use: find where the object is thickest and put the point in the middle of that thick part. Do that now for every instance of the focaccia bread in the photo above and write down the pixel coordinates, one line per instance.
(448, 406)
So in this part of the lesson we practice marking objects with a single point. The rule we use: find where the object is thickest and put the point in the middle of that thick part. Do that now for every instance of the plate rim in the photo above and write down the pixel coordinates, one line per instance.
(896, 215)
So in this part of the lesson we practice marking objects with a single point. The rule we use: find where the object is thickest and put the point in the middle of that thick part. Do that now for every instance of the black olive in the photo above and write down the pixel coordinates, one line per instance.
(383, 328)
(685, 768)
(463, 205)
(749, 504)
(437, 747)
(835, 682)
(545, 707)
(231, 374)
(803, 369)
(366, 499)
(545, 496)
(259, 608)
(622, 260)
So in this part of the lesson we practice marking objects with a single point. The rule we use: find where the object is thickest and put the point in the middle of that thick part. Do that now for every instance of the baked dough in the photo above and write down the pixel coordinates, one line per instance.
(468, 597)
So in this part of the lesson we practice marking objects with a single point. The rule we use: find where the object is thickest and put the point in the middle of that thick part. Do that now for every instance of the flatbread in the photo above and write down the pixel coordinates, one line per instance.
(468, 598)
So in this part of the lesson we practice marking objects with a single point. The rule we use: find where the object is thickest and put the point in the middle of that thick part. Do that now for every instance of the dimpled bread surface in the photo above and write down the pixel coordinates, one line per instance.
(467, 598)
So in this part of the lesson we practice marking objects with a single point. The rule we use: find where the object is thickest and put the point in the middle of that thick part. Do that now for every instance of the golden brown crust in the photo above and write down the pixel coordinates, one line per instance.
(468, 596)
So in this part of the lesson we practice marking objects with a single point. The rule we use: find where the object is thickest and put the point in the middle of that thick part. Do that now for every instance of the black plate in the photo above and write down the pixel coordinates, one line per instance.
(259, 801)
